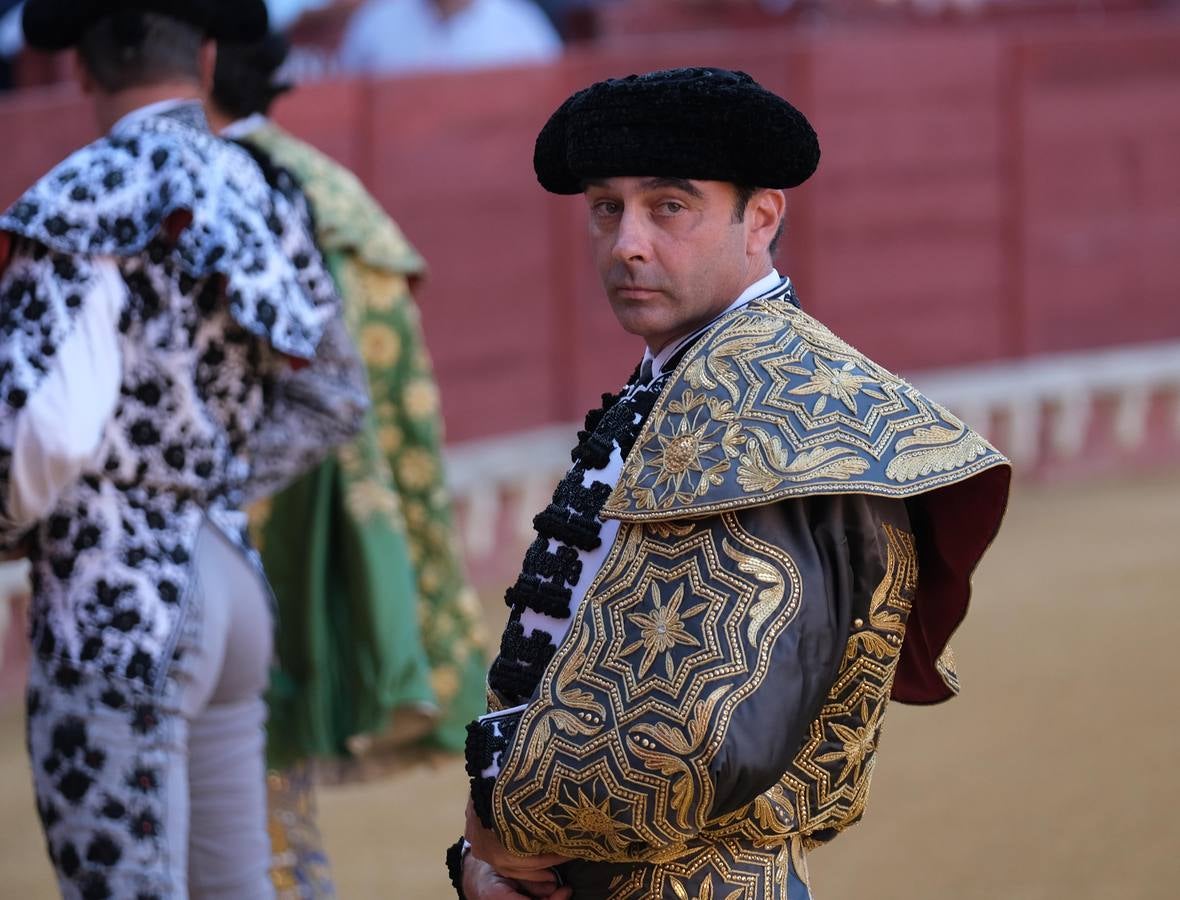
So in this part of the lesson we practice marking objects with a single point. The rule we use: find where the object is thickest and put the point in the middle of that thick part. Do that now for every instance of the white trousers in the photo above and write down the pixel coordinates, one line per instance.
(164, 797)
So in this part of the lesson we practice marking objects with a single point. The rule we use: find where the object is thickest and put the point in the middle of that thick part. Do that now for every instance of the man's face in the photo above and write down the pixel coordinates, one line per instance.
(670, 252)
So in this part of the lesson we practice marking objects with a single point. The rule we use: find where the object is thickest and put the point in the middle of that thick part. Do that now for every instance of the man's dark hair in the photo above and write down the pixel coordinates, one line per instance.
(131, 48)
(244, 81)
(742, 201)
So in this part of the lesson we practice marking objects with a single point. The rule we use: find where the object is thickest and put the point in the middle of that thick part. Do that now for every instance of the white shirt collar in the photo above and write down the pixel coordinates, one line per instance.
(242, 127)
(757, 289)
(152, 109)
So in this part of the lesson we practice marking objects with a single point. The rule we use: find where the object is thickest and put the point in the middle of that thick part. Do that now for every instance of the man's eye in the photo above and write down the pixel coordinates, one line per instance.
(672, 207)
(606, 208)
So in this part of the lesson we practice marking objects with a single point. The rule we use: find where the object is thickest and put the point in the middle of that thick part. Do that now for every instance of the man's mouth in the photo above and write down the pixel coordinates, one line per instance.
(635, 291)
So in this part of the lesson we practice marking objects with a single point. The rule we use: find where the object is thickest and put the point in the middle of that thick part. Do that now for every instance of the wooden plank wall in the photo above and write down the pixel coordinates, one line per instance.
(985, 193)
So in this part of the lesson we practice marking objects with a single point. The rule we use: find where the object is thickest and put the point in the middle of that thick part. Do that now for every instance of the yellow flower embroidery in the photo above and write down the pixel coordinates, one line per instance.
(382, 290)
(416, 469)
(370, 498)
(415, 514)
(429, 579)
(380, 345)
(421, 399)
(445, 682)
(390, 438)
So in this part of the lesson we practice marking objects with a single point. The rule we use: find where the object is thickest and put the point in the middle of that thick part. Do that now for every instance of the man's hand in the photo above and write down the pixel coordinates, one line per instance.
(486, 847)
(482, 882)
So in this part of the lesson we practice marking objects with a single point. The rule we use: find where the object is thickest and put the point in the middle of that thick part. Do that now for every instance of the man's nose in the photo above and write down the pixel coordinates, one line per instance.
(633, 238)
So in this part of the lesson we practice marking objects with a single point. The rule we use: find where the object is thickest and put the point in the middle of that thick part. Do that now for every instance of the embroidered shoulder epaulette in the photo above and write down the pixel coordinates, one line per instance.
(769, 405)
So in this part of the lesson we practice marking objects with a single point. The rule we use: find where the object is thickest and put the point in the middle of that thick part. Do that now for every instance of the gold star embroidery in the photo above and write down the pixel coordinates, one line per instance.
(857, 744)
(587, 817)
(839, 384)
(662, 629)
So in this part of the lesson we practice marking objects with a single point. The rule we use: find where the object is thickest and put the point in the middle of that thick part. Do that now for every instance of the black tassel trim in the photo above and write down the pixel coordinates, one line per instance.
(481, 799)
(481, 747)
(455, 857)
(512, 680)
(483, 743)
(567, 527)
(544, 597)
(536, 649)
(572, 522)
(563, 566)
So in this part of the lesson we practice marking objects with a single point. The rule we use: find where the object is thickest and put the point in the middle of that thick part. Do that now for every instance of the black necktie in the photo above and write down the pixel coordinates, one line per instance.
(645, 371)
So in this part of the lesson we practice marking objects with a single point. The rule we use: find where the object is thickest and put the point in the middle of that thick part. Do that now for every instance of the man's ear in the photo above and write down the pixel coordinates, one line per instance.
(82, 75)
(207, 62)
(764, 214)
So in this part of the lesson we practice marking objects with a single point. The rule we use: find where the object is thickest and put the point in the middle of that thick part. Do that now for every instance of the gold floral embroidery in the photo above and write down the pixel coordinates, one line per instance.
(769, 405)
(769, 598)
(705, 893)
(950, 448)
(855, 743)
(584, 815)
(668, 530)
(662, 629)
(580, 713)
(602, 723)
(838, 383)
(723, 868)
(826, 787)
(689, 788)
(697, 436)
(764, 466)
(889, 605)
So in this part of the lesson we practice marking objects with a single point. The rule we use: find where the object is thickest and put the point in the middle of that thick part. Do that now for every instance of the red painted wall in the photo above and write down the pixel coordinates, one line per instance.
(984, 193)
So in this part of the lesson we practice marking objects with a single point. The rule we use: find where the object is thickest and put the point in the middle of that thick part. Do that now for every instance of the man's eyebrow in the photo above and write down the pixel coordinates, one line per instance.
(681, 184)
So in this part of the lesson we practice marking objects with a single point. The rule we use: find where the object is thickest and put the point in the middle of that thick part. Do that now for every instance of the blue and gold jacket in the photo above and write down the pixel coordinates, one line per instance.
(798, 531)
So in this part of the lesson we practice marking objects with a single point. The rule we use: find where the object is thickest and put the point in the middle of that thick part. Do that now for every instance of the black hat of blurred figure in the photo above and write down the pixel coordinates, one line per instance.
(244, 82)
(701, 123)
(60, 24)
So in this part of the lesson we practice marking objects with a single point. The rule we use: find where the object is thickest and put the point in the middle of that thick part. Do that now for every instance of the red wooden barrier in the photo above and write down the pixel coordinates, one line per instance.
(984, 193)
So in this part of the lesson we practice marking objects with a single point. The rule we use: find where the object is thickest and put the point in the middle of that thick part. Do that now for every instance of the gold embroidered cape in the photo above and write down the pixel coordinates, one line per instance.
(799, 527)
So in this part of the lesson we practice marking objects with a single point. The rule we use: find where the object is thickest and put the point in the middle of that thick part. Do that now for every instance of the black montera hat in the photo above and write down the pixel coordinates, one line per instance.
(703, 123)
(59, 24)
(246, 79)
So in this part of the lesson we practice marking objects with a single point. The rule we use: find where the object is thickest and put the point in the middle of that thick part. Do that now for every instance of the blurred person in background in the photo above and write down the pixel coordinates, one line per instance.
(172, 348)
(574, 19)
(396, 36)
(764, 536)
(11, 39)
(288, 14)
(377, 642)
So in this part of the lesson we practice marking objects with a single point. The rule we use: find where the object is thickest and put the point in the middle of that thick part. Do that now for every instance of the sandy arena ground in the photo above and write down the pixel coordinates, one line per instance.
(1053, 776)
